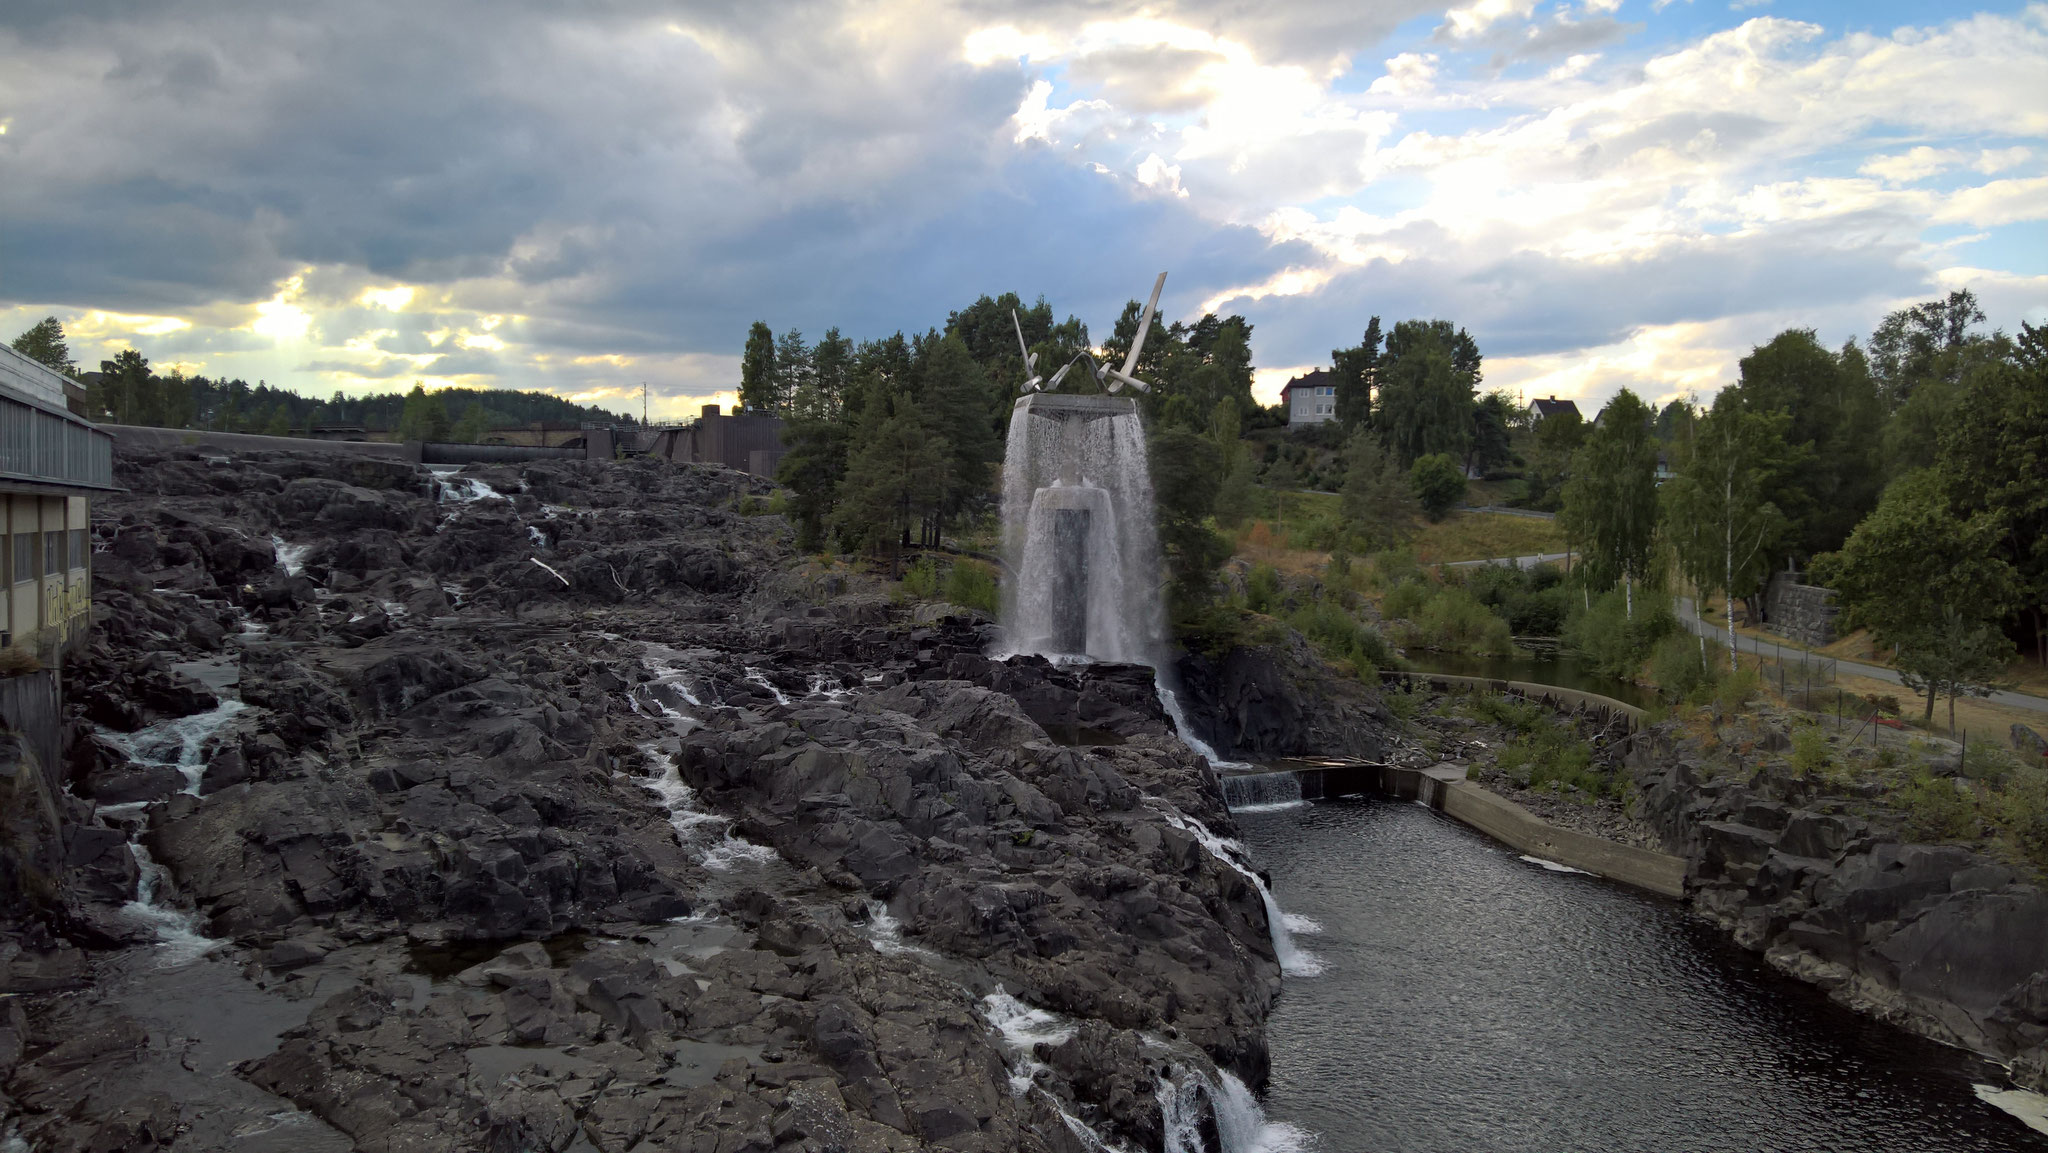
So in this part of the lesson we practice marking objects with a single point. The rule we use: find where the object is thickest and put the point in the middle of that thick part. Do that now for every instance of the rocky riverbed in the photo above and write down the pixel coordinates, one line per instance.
(565, 808)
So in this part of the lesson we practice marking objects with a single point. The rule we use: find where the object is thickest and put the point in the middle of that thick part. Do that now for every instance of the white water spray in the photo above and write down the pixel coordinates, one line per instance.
(179, 743)
(709, 835)
(177, 931)
(290, 557)
(1078, 530)
(1240, 1122)
(1294, 960)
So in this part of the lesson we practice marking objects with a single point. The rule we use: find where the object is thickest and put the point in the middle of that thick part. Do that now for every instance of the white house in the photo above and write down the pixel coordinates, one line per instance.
(1311, 398)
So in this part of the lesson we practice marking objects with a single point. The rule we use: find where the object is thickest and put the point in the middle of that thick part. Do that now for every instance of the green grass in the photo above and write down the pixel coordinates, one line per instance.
(1485, 535)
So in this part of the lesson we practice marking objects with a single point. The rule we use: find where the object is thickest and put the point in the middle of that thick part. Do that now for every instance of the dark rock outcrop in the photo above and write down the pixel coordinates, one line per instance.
(1939, 939)
(573, 814)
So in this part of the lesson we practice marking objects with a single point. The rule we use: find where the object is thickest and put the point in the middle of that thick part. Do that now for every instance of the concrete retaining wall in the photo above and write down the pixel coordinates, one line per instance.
(1446, 790)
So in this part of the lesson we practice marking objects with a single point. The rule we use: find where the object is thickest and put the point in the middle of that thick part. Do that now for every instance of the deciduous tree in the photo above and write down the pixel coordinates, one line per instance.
(1721, 520)
(1610, 502)
(1439, 484)
(44, 343)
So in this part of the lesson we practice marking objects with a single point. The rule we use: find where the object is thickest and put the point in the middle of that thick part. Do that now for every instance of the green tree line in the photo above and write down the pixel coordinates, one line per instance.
(1911, 476)
(126, 390)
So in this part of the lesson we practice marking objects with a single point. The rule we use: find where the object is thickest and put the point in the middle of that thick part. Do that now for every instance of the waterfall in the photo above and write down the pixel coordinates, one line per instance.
(1280, 925)
(1246, 792)
(178, 743)
(1078, 531)
(177, 930)
(1241, 1125)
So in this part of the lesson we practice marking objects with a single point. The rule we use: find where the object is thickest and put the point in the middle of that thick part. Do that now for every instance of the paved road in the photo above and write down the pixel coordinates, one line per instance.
(1689, 616)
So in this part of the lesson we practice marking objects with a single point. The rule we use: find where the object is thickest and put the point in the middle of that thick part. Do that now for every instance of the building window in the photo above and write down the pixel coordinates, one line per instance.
(24, 556)
(53, 553)
(77, 549)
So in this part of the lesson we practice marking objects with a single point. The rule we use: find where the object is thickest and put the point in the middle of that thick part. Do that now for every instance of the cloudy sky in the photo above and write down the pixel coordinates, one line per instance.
(584, 197)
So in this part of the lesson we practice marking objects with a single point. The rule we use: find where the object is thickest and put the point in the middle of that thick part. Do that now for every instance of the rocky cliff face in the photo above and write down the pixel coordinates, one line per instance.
(1936, 938)
(1282, 701)
(559, 808)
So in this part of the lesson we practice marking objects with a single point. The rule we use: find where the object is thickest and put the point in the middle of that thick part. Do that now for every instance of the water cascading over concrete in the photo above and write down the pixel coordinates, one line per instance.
(1078, 530)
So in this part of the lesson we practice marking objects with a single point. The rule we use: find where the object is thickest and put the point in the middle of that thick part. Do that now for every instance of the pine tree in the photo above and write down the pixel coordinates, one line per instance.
(757, 370)
(1378, 504)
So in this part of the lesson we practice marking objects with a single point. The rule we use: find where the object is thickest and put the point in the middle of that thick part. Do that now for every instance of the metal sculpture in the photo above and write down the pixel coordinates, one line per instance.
(1110, 378)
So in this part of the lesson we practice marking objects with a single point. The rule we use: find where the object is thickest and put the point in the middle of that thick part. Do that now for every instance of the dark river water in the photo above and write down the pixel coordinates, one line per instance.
(1473, 1001)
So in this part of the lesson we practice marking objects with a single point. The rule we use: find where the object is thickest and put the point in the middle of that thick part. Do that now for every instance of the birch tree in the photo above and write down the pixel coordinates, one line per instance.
(1721, 524)
(1610, 503)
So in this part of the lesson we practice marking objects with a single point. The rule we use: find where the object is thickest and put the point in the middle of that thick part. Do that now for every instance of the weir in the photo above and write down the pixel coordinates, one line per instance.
(1445, 789)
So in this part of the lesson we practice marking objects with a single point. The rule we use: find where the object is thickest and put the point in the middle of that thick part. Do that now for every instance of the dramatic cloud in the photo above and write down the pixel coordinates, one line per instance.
(522, 195)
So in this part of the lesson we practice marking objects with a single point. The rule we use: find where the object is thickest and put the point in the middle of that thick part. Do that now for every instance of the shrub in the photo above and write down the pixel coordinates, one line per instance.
(1989, 763)
(1937, 808)
(1811, 757)
(1614, 642)
(1531, 601)
(921, 579)
(1439, 484)
(1341, 637)
(972, 585)
(1389, 567)
(1513, 713)
(1405, 600)
(1453, 622)
(1733, 690)
(1677, 668)
(1556, 759)
(1262, 588)
(2022, 812)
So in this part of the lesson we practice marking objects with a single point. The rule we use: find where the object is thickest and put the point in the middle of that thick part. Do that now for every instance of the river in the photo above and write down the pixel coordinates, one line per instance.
(1473, 1001)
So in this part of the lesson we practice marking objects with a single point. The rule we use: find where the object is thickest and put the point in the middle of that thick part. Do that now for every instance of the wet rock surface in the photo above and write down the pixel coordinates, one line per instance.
(560, 808)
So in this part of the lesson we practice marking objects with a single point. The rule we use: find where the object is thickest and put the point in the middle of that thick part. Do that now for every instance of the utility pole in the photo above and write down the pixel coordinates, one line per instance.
(643, 404)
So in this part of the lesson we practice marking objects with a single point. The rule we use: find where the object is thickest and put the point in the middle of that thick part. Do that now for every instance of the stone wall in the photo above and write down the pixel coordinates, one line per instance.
(1800, 612)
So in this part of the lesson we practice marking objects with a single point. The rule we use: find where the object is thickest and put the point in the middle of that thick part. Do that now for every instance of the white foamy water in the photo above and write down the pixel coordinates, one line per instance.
(1078, 531)
(1294, 961)
(1022, 1028)
(708, 835)
(2030, 1108)
(179, 940)
(828, 687)
(756, 676)
(290, 557)
(885, 932)
(1240, 1122)
(179, 743)
(1554, 867)
(1171, 703)
(461, 490)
